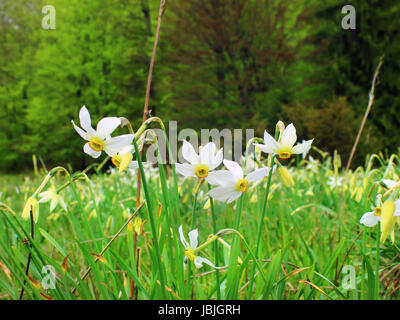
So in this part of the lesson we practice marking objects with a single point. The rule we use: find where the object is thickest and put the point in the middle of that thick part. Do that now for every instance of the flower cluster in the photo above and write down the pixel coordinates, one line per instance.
(386, 213)
(99, 140)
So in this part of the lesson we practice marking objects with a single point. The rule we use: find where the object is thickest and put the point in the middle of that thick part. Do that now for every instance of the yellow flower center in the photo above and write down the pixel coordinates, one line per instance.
(242, 185)
(201, 171)
(377, 211)
(190, 254)
(284, 152)
(116, 160)
(96, 144)
(284, 155)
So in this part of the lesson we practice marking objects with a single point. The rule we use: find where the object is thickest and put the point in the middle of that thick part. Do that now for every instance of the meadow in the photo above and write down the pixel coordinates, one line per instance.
(85, 214)
(294, 234)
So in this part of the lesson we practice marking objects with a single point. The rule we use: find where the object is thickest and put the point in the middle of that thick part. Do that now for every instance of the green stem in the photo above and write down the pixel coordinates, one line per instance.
(151, 218)
(214, 223)
(260, 224)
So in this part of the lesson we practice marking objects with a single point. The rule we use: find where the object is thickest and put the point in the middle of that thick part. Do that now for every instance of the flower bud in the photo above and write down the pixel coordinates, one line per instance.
(286, 177)
(31, 204)
(387, 219)
(126, 160)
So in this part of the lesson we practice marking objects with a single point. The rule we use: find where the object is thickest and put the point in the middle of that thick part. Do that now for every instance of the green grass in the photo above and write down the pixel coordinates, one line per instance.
(309, 232)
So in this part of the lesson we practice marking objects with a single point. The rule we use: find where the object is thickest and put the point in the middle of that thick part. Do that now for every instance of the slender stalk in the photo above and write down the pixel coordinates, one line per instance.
(377, 257)
(149, 78)
(214, 223)
(260, 224)
(28, 263)
(111, 241)
(196, 192)
(364, 120)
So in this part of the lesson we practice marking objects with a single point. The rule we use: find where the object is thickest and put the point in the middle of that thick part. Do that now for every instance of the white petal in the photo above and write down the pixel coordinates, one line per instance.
(45, 196)
(62, 204)
(207, 154)
(264, 148)
(222, 193)
(82, 133)
(257, 174)
(389, 183)
(289, 136)
(200, 260)
(185, 169)
(189, 154)
(217, 159)
(235, 194)
(397, 210)
(224, 178)
(235, 168)
(86, 123)
(369, 219)
(116, 144)
(193, 235)
(53, 204)
(106, 126)
(183, 240)
(269, 141)
(126, 149)
(303, 147)
(91, 152)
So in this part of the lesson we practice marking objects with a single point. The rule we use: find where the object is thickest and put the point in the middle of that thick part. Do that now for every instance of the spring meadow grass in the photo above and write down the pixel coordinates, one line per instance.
(295, 234)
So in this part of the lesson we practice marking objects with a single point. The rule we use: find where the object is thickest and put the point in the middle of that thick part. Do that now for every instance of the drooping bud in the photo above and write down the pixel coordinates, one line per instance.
(387, 219)
(126, 160)
(31, 204)
(286, 177)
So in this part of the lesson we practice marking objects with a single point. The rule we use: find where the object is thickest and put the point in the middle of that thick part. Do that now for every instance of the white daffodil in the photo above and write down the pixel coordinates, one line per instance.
(232, 183)
(335, 181)
(100, 139)
(284, 147)
(54, 198)
(390, 183)
(371, 218)
(191, 249)
(117, 157)
(200, 164)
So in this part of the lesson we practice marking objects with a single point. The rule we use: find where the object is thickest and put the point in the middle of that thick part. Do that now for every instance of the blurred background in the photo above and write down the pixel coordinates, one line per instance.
(220, 64)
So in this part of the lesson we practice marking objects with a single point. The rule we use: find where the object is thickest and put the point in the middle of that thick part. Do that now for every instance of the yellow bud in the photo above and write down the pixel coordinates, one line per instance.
(359, 194)
(138, 225)
(207, 205)
(126, 160)
(93, 214)
(285, 176)
(281, 127)
(31, 204)
(387, 219)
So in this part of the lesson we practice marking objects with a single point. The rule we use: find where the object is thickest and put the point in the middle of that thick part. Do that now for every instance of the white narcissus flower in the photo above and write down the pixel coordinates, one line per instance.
(116, 157)
(191, 249)
(390, 183)
(335, 181)
(232, 183)
(54, 198)
(370, 219)
(100, 139)
(200, 164)
(284, 147)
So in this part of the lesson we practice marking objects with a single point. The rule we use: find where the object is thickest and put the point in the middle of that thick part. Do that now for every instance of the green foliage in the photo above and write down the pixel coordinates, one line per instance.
(219, 64)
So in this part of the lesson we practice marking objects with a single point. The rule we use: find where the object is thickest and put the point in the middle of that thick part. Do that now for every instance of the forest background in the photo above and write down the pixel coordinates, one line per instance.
(220, 64)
